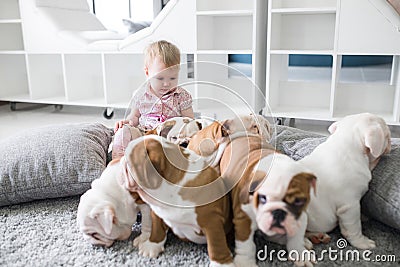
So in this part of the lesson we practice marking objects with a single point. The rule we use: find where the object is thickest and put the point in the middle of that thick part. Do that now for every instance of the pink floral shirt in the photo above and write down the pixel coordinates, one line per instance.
(154, 110)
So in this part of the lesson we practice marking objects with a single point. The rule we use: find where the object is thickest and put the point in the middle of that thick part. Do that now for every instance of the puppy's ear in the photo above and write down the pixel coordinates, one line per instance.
(146, 161)
(105, 215)
(333, 127)
(149, 132)
(375, 140)
(312, 180)
(199, 125)
(248, 190)
(166, 128)
(224, 129)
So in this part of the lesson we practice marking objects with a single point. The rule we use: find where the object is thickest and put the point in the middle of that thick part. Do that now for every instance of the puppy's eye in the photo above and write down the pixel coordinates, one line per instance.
(174, 138)
(262, 199)
(299, 202)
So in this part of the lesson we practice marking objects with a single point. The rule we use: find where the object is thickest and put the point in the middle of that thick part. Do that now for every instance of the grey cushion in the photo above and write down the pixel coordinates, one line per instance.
(52, 161)
(382, 201)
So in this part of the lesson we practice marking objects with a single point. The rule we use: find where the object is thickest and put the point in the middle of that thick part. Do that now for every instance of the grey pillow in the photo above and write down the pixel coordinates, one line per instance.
(382, 201)
(135, 26)
(52, 161)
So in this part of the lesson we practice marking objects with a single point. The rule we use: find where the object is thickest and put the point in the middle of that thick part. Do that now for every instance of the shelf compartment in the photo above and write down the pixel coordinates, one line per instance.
(84, 77)
(302, 32)
(123, 75)
(224, 32)
(46, 76)
(215, 83)
(11, 36)
(300, 94)
(13, 77)
(367, 97)
(9, 9)
(220, 5)
(226, 13)
(280, 4)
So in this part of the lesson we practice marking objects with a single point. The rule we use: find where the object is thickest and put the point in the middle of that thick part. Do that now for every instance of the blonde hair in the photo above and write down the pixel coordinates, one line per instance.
(168, 53)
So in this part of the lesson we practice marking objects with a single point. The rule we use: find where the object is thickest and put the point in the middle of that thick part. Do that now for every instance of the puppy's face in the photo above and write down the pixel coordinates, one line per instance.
(282, 197)
(104, 213)
(253, 124)
(99, 222)
(371, 130)
(178, 130)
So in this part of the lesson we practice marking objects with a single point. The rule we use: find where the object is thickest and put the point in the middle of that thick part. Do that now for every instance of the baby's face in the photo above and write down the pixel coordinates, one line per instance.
(162, 79)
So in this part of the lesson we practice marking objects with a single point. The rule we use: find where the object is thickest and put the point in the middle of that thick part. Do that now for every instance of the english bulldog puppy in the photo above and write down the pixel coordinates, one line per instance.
(208, 140)
(281, 190)
(178, 130)
(184, 193)
(107, 211)
(252, 124)
(343, 166)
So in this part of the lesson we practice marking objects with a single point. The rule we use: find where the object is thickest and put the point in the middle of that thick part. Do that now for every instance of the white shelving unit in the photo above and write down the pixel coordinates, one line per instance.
(88, 78)
(325, 27)
(227, 27)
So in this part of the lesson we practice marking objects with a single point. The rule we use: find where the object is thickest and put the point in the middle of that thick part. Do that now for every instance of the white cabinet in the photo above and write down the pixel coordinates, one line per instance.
(225, 28)
(332, 30)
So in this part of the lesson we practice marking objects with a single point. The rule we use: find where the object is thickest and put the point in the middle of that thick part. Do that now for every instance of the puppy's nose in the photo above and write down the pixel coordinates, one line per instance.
(279, 216)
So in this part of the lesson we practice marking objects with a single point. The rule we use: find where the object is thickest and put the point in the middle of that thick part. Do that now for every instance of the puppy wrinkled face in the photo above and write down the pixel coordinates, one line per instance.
(280, 216)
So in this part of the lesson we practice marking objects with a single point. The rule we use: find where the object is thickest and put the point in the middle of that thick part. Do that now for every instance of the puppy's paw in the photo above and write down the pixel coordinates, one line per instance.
(140, 239)
(216, 264)
(151, 249)
(304, 263)
(318, 238)
(363, 243)
(244, 261)
(308, 244)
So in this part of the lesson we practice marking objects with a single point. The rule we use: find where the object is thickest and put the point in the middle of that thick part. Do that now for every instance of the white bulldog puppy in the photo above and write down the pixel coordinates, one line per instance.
(107, 211)
(343, 166)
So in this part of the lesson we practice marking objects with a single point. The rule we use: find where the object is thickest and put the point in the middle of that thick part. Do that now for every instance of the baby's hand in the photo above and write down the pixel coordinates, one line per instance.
(121, 123)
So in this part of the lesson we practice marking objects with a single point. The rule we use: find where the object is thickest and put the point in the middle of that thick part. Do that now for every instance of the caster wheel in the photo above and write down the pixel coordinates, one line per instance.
(58, 107)
(108, 113)
(280, 121)
(13, 106)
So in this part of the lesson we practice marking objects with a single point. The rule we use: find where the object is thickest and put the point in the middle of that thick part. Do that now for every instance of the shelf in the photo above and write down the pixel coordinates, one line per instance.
(13, 75)
(11, 36)
(371, 97)
(224, 32)
(301, 113)
(225, 52)
(309, 4)
(223, 5)
(301, 52)
(84, 78)
(46, 77)
(9, 10)
(15, 52)
(8, 21)
(225, 13)
(321, 10)
(122, 76)
(302, 32)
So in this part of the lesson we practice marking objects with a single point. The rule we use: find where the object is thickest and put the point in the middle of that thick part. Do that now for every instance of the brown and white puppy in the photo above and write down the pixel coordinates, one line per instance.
(178, 130)
(343, 166)
(212, 140)
(252, 124)
(107, 211)
(281, 194)
(183, 192)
